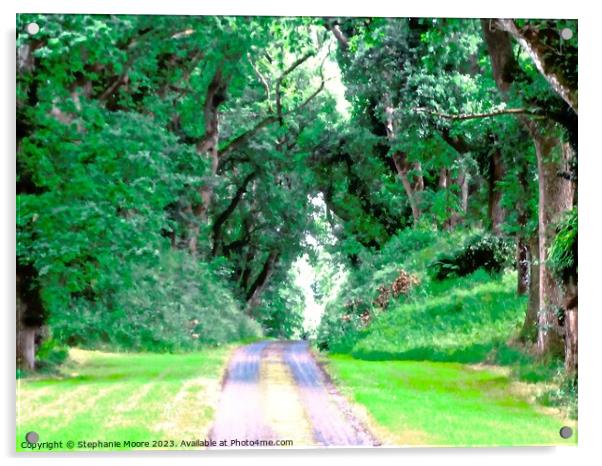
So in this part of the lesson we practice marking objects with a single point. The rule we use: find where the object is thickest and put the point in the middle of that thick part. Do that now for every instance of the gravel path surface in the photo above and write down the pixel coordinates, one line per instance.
(277, 391)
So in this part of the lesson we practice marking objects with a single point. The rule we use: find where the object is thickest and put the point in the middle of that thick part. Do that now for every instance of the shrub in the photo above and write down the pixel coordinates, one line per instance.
(486, 251)
(340, 329)
(400, 286)
(407, 241)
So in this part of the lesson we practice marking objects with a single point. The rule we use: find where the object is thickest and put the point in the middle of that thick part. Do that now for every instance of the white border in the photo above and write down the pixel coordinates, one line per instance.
(590, 168)
(507, 8)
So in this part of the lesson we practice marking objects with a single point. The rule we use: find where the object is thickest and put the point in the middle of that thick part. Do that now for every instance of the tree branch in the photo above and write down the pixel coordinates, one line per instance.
(244, 137)
(458, 143)
(338, 34)
(261, 279)
(263, 81)
(133, 47)
(539, 53)
(221, 218)
(286, 72)
(472, 116)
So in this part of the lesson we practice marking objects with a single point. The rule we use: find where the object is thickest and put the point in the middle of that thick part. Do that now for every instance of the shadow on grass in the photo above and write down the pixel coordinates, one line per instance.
(469, 354)
(524, 366)
(128, 368)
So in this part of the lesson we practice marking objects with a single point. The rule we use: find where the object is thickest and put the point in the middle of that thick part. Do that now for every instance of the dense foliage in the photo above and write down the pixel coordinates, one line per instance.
(177, 305)
(111, 114)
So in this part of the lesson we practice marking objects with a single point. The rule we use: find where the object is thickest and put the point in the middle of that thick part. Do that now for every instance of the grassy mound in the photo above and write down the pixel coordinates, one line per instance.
(460, 319)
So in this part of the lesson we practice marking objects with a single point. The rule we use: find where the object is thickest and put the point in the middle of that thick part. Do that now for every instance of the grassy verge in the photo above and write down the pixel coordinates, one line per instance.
(135, 397)
(446, 404)
(442, 365)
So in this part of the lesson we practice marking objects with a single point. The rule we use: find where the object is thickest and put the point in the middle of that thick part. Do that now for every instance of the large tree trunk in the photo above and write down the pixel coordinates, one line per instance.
(529, 330)
(418, 185)
(570, 326)
(259, 284)
(26, 348)
(463, 183)
(555, 198)
(30, 315)
(524, 253)
(208, 147)
(401, 165)
(443, 178)
(522, 265)
(541, 50)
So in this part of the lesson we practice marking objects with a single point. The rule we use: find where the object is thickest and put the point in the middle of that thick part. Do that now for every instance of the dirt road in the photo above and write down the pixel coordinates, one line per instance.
(276, 391)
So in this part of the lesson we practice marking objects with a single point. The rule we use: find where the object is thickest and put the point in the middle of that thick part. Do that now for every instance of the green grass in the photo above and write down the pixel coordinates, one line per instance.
(445, 404)
(122, 396)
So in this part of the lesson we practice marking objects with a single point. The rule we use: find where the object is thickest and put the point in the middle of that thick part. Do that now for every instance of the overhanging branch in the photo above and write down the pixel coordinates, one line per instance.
(286, 72)
(244, 137)
(472, 116)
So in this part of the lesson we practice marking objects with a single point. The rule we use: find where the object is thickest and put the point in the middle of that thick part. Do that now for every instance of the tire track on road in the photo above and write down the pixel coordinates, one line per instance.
(277, 391)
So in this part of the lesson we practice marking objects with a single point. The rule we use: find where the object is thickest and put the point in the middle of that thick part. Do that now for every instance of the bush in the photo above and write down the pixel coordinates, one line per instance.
(178, 304)
(406, 242)
(400, 286)
(486, 251)
(341, 328)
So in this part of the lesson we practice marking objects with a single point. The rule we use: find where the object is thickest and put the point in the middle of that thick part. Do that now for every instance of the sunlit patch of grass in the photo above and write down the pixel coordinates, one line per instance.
(450, 404)
(123, 396)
